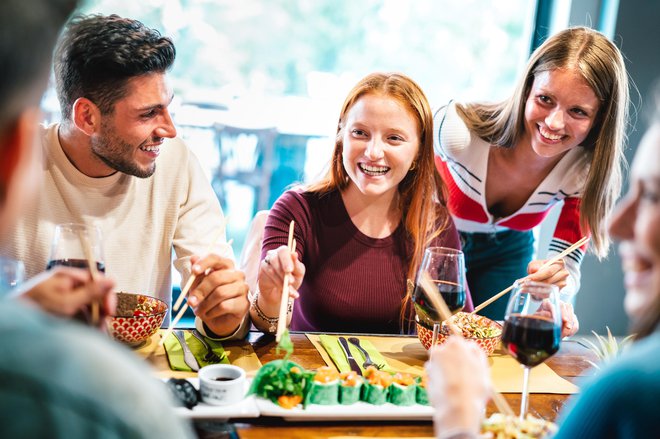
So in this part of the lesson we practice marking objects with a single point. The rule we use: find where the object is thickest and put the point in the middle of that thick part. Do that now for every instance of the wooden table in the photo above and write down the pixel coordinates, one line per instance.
(570, 363)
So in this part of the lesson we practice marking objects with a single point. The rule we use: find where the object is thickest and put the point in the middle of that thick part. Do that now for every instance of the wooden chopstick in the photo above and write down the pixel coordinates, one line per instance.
(281, 322)
(548, 263)
(439, 304)
(193, 276)
(183, 309)
(93, 272)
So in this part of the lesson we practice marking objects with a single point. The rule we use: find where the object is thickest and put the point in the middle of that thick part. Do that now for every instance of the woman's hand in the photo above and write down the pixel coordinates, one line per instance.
(555, 274)
(569, 321)
(64, 291)
(459, 385)
(272, 270)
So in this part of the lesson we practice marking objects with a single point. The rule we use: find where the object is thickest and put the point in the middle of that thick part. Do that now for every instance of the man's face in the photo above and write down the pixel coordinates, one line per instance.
(130, 138)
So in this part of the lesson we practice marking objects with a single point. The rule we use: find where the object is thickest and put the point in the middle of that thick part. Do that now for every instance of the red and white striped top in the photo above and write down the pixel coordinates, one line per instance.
(461, 158)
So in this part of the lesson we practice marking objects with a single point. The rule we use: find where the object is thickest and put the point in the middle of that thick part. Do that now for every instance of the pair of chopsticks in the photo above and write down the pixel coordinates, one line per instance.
(440, 305)
(281, 322)
(548, 263)
(186, 289)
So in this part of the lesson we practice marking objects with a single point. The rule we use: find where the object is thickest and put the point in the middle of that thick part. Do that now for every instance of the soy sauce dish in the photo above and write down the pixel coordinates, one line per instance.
(221, 384)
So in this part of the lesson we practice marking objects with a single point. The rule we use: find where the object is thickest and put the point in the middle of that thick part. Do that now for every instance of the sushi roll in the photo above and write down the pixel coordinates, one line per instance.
(377, 386)
(350, 388)
(403, 390)
(422, 396)
(324, 387)
(281, 381)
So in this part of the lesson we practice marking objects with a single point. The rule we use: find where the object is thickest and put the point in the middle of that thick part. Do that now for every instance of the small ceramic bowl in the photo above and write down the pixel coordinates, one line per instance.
(488, 345)
(138, 318)
(221, 384)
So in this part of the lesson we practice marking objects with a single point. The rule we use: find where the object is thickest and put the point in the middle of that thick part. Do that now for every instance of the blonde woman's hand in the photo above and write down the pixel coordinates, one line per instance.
(556, 274)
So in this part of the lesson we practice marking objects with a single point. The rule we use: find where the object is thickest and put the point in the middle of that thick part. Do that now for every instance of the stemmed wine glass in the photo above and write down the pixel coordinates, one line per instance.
(12, 274)
(446, 268)
(68, 249)
(532, 328)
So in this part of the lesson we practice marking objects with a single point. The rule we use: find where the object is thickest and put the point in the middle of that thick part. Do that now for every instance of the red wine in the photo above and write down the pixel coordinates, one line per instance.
(77, 263)
(530, 339)
(454, 296)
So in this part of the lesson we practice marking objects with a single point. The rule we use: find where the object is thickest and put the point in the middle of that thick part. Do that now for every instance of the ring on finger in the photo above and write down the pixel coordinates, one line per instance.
(266, 260)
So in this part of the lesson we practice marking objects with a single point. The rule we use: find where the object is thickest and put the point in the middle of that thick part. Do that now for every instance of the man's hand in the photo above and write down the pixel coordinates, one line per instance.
(219, 294)
(64, 291)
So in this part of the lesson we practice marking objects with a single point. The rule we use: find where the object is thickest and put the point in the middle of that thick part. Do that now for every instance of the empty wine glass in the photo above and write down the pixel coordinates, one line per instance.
(532, 328)
(446, 268)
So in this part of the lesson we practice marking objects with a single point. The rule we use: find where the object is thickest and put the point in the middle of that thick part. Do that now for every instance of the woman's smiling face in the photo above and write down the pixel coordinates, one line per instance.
(636, 222)
(380, 142)
(559, 112)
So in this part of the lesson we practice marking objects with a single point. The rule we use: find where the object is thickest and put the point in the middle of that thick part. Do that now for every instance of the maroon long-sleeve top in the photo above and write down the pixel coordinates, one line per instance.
(352, 283)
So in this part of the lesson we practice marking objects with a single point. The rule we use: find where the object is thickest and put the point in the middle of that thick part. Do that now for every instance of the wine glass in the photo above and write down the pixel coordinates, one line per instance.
(68, 250)
(12, 274)
(446, 269)
(532, 328)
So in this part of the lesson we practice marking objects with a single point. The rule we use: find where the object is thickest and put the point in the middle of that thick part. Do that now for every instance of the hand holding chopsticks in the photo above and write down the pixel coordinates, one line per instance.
(186, 289)
(284, 301)
(547, 264)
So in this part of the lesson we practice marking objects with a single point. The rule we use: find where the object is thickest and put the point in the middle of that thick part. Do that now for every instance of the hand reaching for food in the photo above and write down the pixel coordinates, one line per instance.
(65, 291)
(556, 274)
(219, 294)
(272, 271)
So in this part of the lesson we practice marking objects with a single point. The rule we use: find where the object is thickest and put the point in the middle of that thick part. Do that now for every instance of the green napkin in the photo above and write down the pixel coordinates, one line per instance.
(333, 348)
(175, 352)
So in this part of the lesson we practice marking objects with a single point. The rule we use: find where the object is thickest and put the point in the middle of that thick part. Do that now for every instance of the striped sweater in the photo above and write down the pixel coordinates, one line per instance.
(461, 158)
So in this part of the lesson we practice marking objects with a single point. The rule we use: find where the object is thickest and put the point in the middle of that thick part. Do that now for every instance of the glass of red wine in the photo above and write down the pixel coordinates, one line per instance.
(532, 328)
(67, 249)
(446, 268)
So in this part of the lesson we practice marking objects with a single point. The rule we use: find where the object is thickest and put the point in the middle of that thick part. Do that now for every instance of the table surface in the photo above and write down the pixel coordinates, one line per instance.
(571, 363)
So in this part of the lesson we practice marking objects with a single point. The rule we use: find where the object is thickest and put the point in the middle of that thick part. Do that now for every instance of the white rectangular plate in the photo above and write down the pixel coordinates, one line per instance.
(360, 411)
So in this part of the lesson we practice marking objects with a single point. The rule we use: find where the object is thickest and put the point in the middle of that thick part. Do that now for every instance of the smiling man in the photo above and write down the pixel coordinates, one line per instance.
(115, 161)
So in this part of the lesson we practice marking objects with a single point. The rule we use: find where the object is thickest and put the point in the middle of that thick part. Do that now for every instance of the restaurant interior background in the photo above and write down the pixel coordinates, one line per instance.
(259, 84)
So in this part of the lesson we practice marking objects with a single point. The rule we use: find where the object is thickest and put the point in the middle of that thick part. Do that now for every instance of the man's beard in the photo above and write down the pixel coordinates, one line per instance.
(115, 153)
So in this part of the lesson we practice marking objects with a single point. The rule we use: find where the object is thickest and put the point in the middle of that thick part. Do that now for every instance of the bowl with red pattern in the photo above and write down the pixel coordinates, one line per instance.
(137, 318)
(485, 332)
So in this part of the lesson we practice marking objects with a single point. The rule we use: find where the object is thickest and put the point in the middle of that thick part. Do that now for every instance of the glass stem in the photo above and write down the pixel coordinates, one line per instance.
(525, 393)
(434, 338)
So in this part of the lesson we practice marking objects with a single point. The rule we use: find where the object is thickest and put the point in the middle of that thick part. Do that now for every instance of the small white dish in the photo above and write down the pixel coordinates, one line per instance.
(221, 384)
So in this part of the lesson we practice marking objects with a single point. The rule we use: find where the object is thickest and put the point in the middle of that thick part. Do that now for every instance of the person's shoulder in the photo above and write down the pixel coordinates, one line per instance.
(451, 134)
(66, 366)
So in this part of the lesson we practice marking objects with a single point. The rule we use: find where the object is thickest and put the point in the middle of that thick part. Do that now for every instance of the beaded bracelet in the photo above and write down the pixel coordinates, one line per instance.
(272, 321)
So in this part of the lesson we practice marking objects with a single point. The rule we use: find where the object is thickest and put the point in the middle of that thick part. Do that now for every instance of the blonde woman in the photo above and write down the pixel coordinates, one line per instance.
(560, 137)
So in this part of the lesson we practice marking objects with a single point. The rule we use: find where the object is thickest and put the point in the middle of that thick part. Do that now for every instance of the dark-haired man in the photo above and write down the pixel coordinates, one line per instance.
(58, 379)
(115, 161)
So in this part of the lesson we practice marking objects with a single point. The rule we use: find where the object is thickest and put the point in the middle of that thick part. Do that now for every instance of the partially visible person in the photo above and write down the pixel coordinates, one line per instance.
(58, 379)
(115, 161)
(558, 138)
(361, 231)
(621, 401)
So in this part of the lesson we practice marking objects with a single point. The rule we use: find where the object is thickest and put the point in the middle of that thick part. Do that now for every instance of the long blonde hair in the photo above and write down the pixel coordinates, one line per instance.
(421, 192)
(601, 64)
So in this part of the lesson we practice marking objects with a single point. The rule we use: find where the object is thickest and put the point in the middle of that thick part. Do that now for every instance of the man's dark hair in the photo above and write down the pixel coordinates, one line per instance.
(28, 30)
(97, 55)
